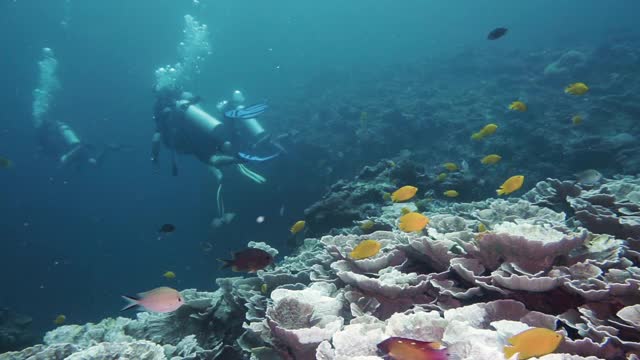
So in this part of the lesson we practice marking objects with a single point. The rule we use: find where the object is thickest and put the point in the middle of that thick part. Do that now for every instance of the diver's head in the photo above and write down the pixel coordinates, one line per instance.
(237, 98)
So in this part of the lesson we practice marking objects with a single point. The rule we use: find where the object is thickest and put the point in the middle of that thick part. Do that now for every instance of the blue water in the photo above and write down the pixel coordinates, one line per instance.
(72, 242)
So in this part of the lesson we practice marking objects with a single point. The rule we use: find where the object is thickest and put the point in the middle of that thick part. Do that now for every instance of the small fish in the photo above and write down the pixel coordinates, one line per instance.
(576, 120)
(451, 193)
(512, 184)
(367, 225)
(450, 166)
(264, 288)
(248, 260)
(482, 227)
(404, 193)
(161, 300)
(413, 222)
(489, 129)
(497, 33)
(282, 210)
(491, 159)
(477, 136)
(5, 163)
(441, 176)
(398, 348)
(60, 319)
(169, 275)
(518, 106)
(578, 88)
(533, 342)
(298, 226)
(167, 229)
(365, 249)
(589, 177)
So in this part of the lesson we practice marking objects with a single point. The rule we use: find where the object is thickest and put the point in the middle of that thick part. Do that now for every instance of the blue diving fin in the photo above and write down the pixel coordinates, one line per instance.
(249, 157)
(248, 112)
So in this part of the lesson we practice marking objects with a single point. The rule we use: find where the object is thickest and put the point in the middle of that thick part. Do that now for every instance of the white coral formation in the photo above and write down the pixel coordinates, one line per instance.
(530, 247)
(544, 234)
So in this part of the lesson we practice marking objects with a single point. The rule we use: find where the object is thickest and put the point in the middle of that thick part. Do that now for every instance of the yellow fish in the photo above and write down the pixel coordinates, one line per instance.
(298, 226)
(441, 176)
(413, 222)
(367, 225)
(60, 319)
(404, 193)
(477, 136)
(491, 159)
(169, 275)
(264, 288)
(365, 249)
(578, 88)
(518, 106)
(451, 193)
(576, 120)
(450, 166)
(488, 129)
(386, 196)
(533, 342)
(512, 184)
(482, 227)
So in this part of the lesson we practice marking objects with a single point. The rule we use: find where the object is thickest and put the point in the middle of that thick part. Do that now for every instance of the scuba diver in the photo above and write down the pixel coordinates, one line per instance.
(57, 139)
(184, 127)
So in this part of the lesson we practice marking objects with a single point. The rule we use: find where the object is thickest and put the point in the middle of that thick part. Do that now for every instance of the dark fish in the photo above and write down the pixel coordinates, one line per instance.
(398, 348)
(248, 112)
(167, 228)
(497, 33)
(248, 260)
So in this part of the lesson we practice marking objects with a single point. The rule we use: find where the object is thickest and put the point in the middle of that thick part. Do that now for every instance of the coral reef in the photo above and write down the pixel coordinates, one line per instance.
(14, 330)
(480, 273)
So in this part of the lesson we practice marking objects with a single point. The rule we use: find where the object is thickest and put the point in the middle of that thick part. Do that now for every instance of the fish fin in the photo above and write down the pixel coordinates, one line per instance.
(132, 302)
(225, 263)
(509, 351)
(500, 191)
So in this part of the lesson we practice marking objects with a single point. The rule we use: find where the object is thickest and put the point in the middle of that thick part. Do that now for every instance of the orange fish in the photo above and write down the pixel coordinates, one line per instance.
(404, 193)
(398, 348)
(162, 300)
(413, 222)
(512, 184)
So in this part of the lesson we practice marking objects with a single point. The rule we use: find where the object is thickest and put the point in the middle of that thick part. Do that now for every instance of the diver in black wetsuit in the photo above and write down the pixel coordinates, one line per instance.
(184, 127)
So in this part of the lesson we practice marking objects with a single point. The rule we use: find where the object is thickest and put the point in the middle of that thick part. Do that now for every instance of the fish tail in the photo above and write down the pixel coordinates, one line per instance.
(131, 302)
(225, 263)
(509, 351)
(500, 191)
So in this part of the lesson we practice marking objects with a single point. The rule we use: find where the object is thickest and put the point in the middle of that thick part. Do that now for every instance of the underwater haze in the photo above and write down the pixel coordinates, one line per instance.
(348, 84)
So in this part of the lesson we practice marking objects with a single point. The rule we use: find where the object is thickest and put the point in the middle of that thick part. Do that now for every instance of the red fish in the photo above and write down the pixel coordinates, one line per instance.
(248, 260)
(398, 348)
